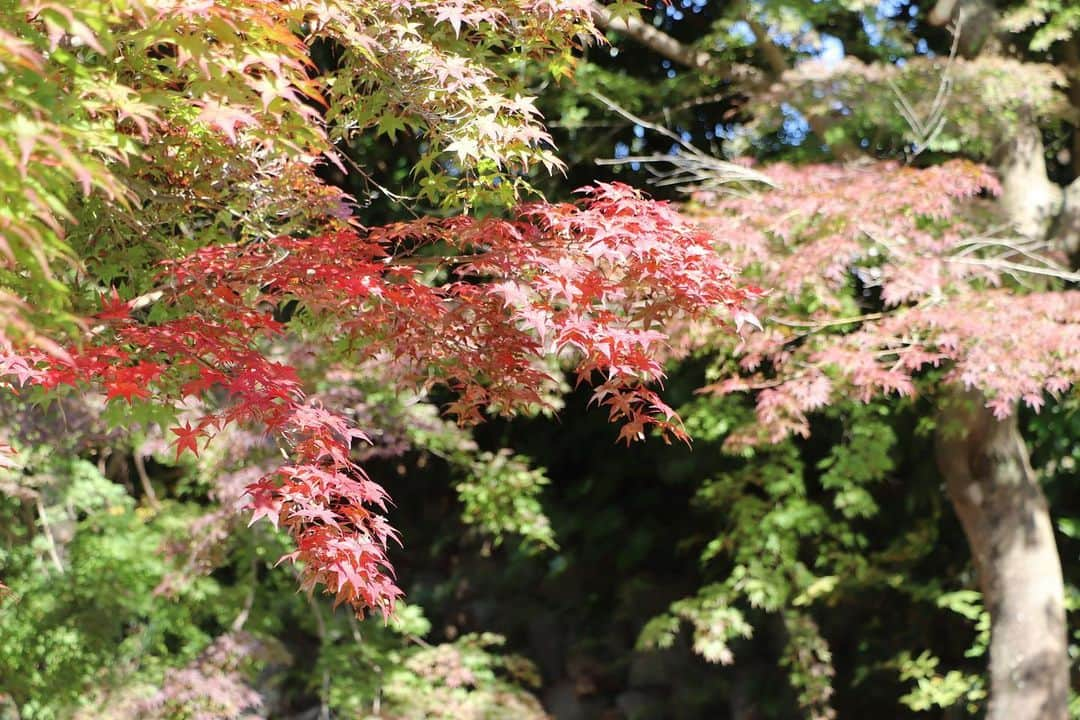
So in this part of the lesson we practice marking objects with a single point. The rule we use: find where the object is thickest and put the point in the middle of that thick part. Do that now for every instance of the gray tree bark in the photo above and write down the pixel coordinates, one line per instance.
(989, 478)
(1065, 231)
(645, 34)
(1031, 201)
(1005, 517)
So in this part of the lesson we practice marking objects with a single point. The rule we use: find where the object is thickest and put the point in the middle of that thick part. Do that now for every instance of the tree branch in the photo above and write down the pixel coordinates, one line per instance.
(53, 554)
(941, 13)
(664, 45)
(749, 78)
(774, 56)
(778, 65)
(1008, 266)
(692, 166)
(657, 41)
(144, 479)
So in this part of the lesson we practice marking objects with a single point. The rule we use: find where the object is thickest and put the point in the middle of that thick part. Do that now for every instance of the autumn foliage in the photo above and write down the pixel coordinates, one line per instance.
(168, 239)
(592, 284)
(886, 279)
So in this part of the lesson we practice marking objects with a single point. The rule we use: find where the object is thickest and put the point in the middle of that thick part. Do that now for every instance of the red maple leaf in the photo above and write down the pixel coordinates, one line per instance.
(264, 502)
(113, 308)
(598, 280)
(125, 389)
(187, 438)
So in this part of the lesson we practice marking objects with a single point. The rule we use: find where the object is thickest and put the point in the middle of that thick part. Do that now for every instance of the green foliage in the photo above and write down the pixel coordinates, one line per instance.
(82, 611)
(810, 667)
(862, 459)
(501, 496)
(464, 679)
(1053, 21)
(820, 553)
(499, 491)
(101, 614)
(947, 107)
(789, 541)
(935, 690)
(714, 621)
(1055, 438)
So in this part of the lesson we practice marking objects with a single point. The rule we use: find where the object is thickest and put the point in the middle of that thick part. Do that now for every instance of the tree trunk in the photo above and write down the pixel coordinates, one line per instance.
(1065, 234)
(1029, 198)
(1004, 514)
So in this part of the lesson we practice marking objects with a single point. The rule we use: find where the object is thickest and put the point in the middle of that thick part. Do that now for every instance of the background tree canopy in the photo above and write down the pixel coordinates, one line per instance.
(301, 296)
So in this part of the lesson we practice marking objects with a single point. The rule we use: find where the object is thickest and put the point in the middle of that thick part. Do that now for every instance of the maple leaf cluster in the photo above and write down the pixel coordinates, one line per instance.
(215, 684)
(593, 284)
(212, 119)
(885, 276)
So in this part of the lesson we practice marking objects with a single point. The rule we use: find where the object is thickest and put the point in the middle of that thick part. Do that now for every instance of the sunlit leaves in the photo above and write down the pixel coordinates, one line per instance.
(979, 102)
(195, 114)
(593, 285)
(887, 276)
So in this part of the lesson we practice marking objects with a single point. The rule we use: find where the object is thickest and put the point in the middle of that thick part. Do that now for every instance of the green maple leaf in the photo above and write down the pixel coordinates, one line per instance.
(389, 125)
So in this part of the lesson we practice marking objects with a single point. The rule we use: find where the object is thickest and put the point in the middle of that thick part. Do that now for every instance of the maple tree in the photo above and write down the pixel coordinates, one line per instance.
(190, 293)
(897, 281)
(896, 304)
(596, 282)
(941, 278)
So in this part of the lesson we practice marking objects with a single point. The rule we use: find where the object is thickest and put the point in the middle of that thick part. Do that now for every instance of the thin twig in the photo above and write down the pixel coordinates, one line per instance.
(927, 129)
(384, 190)
(828, 323)
(1006, 266)
(616, 108)
(49, 535)
(1024, 248)
(144, 480)
(693, 167)
(320, 630)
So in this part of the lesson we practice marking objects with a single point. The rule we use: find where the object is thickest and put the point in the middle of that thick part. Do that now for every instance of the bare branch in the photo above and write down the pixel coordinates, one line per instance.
(659, 42)
(818, 325)
(47, 529)
(928, 128)
(670, 48)
(1011, 267)
(692, 167)
(144, 479)
(616, 108)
